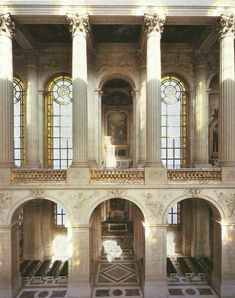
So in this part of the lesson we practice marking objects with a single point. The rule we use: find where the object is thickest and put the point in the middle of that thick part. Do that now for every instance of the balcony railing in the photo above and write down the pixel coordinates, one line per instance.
(129, 176)
(38, 175)
(213, 174)
(121, 176)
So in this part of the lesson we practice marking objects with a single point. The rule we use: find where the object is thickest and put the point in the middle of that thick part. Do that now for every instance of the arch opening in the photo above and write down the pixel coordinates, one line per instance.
(117, 240)
(40, 244)
(194, 241)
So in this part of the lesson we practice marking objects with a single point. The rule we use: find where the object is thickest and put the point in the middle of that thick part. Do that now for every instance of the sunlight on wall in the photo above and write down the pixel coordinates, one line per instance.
(60, 248)
(170, 243)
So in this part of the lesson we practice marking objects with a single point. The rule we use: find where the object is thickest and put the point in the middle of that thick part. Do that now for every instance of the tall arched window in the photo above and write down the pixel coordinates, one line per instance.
(19, 116)
(173, 122)
(59, 122)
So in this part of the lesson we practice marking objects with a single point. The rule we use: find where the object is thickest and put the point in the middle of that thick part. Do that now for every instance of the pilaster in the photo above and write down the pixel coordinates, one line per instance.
(154, 28)
(79, 262)
(155, 261)
(32, 123)
(201, 152)
(228, 261)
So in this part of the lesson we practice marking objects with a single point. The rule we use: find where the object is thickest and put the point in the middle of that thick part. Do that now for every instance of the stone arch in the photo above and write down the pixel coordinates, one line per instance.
(24, 200)
(188, 81)
(49, 75)
(184, 197)
(114, 75)
(108, 197)
(210, 78)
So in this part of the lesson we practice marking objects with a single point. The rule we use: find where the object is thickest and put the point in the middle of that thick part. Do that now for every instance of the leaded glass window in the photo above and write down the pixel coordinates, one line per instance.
(60, 217)
(59, 122)
(173, 122)
(19, 114)
(174, 215)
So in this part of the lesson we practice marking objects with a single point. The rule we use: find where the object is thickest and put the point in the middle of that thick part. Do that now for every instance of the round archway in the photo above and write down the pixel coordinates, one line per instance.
(118, 246)
(194, 242)
(39, 245)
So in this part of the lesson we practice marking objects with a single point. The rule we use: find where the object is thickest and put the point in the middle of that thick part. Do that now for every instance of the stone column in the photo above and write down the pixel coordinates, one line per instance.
(201, 152)
(79, 263)
(228, 261)
(6, 92)
(79, 27)
(154, 28)
(226, 28)
(32, 112)
(155, 261)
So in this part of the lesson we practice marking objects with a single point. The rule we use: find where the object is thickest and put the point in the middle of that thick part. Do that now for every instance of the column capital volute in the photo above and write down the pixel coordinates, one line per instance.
(226, 25)
(78, 22)
(7, 25)
(154, 22)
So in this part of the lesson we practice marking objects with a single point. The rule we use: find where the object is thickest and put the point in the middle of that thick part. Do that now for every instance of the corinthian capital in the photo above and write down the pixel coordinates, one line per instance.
(154, 23)
(226, 25)
(78, 22)
(6, 24)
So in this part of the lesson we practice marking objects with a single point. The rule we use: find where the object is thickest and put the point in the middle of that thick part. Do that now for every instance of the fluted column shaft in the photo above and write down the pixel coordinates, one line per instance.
(32, 123)
(79, 27)
(154, 27)
(201, 157)
(227, 92)
(6, 92)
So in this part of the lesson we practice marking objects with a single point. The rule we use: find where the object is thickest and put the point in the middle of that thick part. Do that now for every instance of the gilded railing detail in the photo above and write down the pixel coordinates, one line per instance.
(194, 174)
(130, 176)
(38, 175)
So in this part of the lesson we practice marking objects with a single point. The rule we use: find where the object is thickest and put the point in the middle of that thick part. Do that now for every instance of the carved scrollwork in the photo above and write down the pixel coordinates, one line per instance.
(5, 203)
(78, 22)
(226, 25)
(6, 24)
(228, 201)
(154, 22)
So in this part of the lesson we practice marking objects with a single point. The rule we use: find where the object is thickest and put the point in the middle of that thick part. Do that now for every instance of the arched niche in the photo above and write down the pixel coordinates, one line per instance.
(117, 123)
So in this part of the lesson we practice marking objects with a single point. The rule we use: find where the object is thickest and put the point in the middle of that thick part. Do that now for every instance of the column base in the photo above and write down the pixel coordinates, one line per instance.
(6, 292)
(201, 165)
(5, 176)
(155, 289)
(7, 164)
(156, 175)
(227, 163)
(228, 175)
(79, 164)
(33, 165)
(153, 164)
(78, 289)
(78, 175)
(227, 289)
